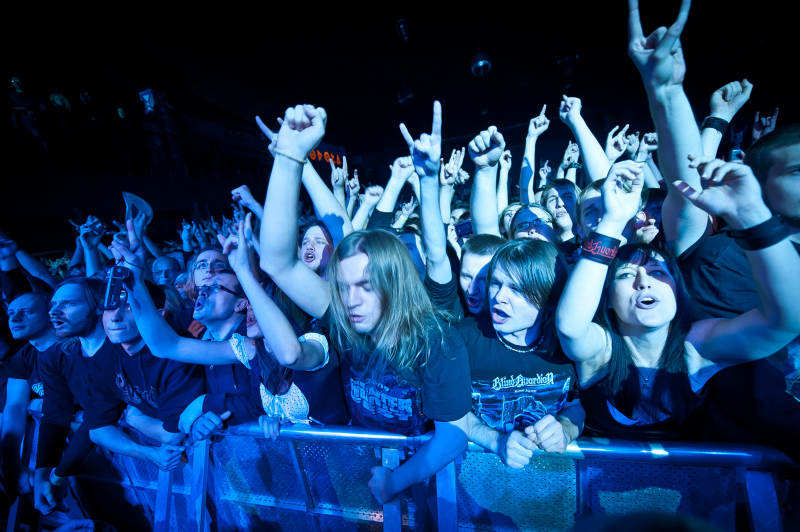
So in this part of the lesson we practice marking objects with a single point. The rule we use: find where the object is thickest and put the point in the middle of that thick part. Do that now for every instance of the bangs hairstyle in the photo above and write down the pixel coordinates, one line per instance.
(409, 322)
(190, 289)
(309, 225)
(759, 155)
(622, 380)
(561, 183)
(540, 273)
(528, 207)
(503, 214)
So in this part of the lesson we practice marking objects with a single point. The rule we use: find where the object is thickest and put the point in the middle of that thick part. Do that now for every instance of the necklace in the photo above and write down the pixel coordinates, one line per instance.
(646, 383)
(528, 350)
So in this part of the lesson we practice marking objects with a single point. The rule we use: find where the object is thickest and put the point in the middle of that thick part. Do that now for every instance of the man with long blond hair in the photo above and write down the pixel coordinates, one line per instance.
(403, 367)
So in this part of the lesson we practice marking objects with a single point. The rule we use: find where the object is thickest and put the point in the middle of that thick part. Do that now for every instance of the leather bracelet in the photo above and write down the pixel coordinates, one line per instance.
(715, 123)
(763, 235)
(600, 248)
(290, 157)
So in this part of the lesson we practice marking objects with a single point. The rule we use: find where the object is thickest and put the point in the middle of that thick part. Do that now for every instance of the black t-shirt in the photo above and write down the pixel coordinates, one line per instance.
(445, 296)
(160, 388)
(24, 365)
(511, 389)
(570, 249)
(406, 403)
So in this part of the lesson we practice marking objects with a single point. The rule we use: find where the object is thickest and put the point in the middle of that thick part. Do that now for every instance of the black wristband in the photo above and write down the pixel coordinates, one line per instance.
(762, 235)
(715, 123)
(600, 248)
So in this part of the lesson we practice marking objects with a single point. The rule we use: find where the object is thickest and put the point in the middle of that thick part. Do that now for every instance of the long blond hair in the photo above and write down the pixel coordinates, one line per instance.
(409, 324)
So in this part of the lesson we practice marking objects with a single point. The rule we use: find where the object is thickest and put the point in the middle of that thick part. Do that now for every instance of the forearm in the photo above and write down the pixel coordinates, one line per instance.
(433, 234)
(654, 169)
(482, 434)
(428, 460)
(152, 247)
(351, 206)
(93, 264)
(650, 180)
(560, 173)
(328, 206)
(711, 139)
(572, 417)
(279, 233)
(445, 201)
(483, 207)
(390, 194)
(594, 156)
(35, 267)
(678, 137)
(152, 428)
(502, 189)
(77, 256)
(116, 441)
(361, 216)
(526, 173)
(15, 417)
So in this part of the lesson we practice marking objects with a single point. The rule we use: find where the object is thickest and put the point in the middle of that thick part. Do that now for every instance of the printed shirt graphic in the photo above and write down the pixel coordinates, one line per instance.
(512, 390)
(389, 403)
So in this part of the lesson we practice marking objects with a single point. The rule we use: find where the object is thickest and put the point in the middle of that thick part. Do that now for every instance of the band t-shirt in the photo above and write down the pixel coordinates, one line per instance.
(512, 390)
(24, 365)
(406, 402)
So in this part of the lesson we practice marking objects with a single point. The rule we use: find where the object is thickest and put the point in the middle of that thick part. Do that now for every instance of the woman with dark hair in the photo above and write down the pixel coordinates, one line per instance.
(522, 383)
(642, 364)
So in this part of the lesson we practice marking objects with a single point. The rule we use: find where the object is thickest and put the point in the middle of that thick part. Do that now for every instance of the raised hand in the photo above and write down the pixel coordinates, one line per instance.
(487, 147)
(616, 144)
(737, 138)
(765, 125)
(199, 233)
(271, 135)
(544, 171)
(727, 100)
(659, 56)
(339, 175)
(632, 144)
(538, 125)
(402, 168)
(427, 151)
(131, 252)
(729, 190)
(409, 207)
(650, 142)
(372, 195)
(570, 155)
(622, 191)
(449, 172)
(140, 224)
(353, 185)
(88, 238)
(505, 161)
(301, 131)
(570, 109)
(243, 196)
(463, 176)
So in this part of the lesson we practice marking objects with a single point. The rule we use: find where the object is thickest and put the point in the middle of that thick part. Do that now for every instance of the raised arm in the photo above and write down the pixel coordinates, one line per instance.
(243, 196)
(353, 186)
(277, 330)
(536, 127)
(338, 180)
(617, 143)
(582, 340)
(659, 59)
(371, 198)
(162, 340)
(90, 241)
(448, 177)
(426, 153)
(502, 181)
(401, 172)
(594, 157)
(725, 103)
(485, 150)
(732, 192)
(328, 208)
(302, 130)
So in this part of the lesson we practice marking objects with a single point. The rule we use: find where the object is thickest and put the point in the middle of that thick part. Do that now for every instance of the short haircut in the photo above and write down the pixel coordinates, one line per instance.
(39, 297)
(561, 183)
(759, 155)
(483, 245)
(176, 265)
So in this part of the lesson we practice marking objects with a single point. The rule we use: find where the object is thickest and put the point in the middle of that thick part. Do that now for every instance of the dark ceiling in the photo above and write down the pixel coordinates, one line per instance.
(246, 61)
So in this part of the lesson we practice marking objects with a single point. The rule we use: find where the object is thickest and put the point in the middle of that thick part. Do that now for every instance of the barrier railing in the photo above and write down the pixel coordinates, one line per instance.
(316, 478)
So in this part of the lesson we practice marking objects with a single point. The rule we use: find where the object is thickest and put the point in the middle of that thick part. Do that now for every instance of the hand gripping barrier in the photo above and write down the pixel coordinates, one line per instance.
(314, 478)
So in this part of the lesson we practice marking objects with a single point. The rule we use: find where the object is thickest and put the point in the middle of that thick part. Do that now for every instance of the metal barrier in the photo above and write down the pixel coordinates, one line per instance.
(316, 479)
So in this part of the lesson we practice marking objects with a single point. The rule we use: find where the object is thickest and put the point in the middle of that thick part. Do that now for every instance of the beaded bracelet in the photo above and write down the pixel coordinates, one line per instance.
(290, 157)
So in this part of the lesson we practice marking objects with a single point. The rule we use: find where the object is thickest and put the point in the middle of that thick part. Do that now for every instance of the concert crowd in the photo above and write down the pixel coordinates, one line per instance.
(656, 301)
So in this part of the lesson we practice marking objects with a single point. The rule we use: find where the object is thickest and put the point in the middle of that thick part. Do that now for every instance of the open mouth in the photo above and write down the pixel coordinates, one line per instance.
(646, 302)
(308, 257)
(498, 316)
(473, 302)
(58, 323)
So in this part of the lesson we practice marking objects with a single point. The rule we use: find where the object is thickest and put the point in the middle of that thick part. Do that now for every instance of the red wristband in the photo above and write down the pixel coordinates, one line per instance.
(600, 248)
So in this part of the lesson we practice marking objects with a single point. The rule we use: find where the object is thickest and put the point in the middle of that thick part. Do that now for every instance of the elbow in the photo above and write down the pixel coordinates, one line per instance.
(289, 357)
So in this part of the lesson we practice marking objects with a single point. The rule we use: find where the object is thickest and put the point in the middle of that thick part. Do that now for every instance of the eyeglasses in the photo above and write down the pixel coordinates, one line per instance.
(527, 224)
(216, 265)
(206, 291)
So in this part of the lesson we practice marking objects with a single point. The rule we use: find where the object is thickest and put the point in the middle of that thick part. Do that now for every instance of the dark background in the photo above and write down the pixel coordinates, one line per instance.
(220, 66)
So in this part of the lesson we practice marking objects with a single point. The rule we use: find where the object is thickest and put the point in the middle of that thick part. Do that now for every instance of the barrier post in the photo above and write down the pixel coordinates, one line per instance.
(392, 512)
(197, 503)
(762, 502)
(446, 509)
(163, 500)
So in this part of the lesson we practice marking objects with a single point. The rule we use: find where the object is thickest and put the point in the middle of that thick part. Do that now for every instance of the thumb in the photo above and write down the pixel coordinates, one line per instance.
(684, 188)
(173, 448)
(226, 415)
